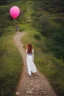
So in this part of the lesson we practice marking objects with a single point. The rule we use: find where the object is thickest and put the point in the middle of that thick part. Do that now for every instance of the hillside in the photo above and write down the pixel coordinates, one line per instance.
(49, 19)
(10, 59)
(43, 21)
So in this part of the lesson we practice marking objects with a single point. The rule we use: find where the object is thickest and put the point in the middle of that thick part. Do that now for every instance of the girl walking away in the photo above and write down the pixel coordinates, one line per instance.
(30, 60)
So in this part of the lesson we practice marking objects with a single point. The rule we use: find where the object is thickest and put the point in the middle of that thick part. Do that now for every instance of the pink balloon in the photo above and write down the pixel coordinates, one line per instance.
(14, 12)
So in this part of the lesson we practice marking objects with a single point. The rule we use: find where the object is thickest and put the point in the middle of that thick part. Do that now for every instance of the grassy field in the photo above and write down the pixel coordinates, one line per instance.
(10, 59)
(10, 66)
(45, 60)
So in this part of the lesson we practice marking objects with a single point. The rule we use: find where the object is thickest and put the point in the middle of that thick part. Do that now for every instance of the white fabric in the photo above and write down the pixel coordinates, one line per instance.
(30, 63)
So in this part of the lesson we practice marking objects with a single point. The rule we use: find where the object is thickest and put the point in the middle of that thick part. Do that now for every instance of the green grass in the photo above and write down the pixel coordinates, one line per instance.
(45, 59)
(10, 64)
(10, 59)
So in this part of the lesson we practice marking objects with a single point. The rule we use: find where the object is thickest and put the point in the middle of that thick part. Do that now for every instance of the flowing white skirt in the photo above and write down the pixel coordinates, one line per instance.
(30, 64)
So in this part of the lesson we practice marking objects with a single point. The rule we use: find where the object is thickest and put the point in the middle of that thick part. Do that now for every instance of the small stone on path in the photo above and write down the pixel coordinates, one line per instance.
(17, 93)
(29, 92)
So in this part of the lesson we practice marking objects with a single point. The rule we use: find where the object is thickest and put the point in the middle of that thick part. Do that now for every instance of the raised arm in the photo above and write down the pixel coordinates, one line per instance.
(26, 51)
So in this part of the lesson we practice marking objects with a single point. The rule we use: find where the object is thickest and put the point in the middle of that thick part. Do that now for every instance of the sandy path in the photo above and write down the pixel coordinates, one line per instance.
(37, 85)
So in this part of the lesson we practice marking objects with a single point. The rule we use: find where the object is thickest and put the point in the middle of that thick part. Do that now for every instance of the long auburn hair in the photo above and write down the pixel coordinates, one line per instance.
(29, 48)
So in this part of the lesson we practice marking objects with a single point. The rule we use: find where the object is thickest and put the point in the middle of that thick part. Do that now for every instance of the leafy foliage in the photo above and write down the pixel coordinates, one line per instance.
(50, 24)
(7, 1)
(50, 5)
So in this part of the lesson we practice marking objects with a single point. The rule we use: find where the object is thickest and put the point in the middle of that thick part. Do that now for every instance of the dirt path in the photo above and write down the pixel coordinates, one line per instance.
(37, 85)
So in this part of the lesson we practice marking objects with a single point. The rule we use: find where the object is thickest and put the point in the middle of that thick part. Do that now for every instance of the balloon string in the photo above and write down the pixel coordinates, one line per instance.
(15, 22)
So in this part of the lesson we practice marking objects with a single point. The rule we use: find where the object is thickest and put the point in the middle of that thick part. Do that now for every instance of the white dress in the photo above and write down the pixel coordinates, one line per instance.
(30, 63)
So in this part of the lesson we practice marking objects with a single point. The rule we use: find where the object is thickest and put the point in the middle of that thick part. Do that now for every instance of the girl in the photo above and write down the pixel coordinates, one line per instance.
(30, 60)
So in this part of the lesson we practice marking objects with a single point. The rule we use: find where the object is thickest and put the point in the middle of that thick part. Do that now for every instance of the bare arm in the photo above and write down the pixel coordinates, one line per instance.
(26, 51)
